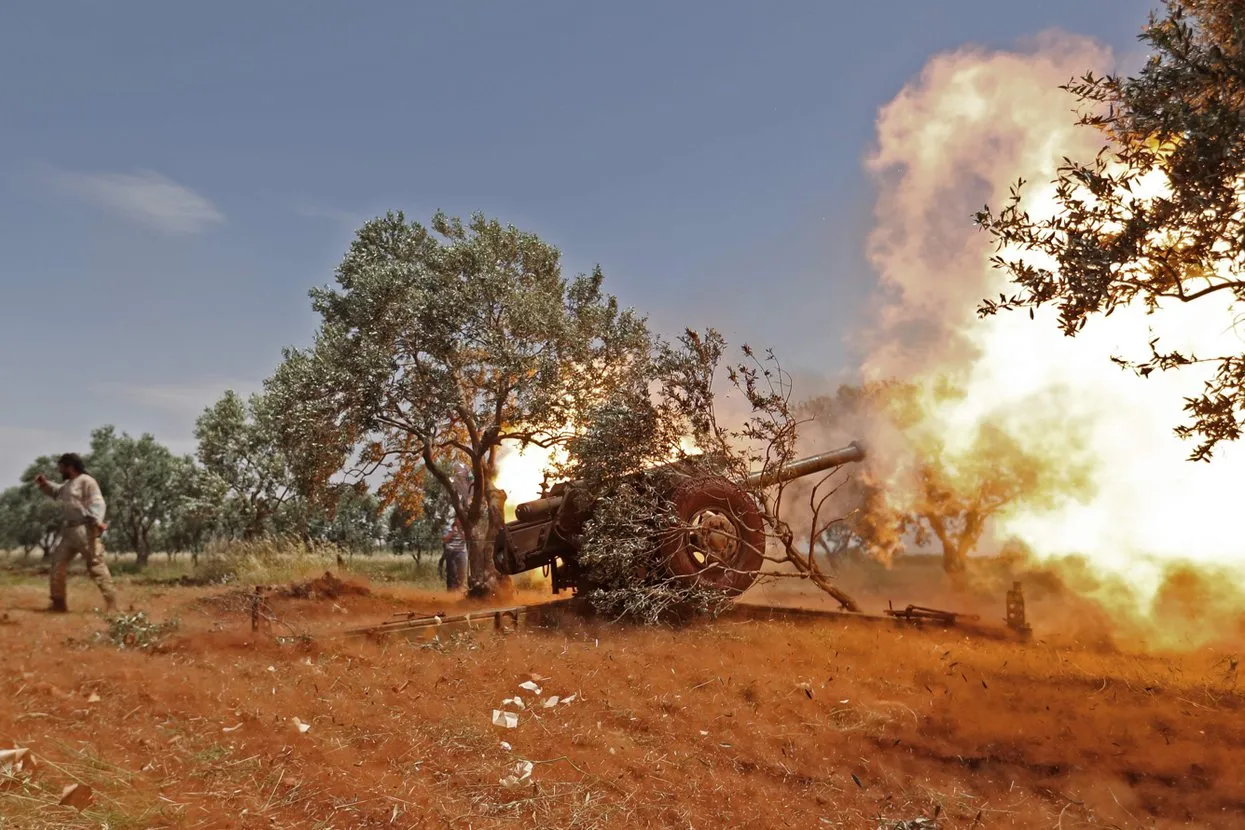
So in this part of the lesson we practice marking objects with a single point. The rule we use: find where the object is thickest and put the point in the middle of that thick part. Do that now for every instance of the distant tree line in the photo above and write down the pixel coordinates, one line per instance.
(238, 485)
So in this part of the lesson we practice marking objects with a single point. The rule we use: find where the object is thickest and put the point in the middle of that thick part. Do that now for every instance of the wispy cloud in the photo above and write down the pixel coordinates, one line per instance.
(146, 197)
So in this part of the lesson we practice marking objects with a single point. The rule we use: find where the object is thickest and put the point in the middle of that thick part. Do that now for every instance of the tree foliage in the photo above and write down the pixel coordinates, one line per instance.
(437, 345)
(197, 516)
(41, 516)
(1157, 218)
(239, 449)
(355, 521)
(28, 518)
(142, 481)
(418, 528)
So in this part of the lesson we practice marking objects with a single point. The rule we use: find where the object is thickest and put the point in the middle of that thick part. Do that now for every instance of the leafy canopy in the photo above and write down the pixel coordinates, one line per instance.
(142, 481)
(239, 451)
(437, 345)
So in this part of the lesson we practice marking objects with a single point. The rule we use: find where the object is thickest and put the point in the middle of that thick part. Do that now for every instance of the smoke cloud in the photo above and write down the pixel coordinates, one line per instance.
(955, 138)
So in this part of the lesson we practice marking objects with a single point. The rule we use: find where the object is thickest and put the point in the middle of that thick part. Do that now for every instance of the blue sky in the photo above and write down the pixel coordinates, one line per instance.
(174, 177)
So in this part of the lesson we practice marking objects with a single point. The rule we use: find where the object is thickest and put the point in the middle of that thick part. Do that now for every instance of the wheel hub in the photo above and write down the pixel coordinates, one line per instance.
(713, 537)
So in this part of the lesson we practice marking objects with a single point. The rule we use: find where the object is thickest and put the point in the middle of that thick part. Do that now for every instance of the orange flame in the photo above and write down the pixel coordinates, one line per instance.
(521, 470)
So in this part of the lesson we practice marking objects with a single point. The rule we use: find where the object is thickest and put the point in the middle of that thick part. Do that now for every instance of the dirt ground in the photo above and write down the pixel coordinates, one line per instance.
(725, 724)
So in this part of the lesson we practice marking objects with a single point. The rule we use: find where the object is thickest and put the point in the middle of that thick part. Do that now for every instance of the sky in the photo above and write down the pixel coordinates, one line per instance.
(175, 177)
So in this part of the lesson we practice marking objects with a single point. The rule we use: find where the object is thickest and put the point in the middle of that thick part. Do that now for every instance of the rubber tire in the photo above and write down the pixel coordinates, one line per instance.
(695, 495)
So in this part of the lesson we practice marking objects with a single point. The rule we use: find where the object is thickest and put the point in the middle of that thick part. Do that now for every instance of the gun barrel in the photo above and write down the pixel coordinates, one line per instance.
(806, 466)
(544, 509)
(539, 509)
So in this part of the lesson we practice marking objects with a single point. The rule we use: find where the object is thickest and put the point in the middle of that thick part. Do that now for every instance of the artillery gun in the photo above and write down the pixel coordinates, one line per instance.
(718, 540)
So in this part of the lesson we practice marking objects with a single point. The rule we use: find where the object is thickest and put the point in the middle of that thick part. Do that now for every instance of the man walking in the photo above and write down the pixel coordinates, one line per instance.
(84, 507)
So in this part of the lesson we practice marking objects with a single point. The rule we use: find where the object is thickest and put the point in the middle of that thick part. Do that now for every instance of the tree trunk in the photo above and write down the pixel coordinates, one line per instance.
(483, 579)
(954, 558)
(138, 539)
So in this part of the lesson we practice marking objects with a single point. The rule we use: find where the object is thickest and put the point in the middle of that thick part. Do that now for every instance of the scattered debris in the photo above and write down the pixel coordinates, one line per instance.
(506, 746)
(920, 612)
(77, 796)
(93, 698)
(522, 772)
(910, 824)
(324, 587)
(302, 727)
(233, 728)
(516, 700)
(530, 686)
(15, 762)
(508, 720)
(551, 701)
(136, 631)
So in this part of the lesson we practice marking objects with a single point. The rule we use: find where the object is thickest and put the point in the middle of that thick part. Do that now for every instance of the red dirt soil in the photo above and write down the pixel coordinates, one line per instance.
(729, 724)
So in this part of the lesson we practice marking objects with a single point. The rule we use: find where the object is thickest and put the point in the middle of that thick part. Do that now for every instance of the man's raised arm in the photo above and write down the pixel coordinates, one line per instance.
(41, 481)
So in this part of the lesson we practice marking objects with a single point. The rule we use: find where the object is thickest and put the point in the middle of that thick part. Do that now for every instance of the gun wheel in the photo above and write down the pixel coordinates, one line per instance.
(720, 542)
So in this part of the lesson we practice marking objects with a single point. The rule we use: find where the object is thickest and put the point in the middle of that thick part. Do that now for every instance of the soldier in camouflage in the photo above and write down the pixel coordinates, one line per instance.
(84, 507)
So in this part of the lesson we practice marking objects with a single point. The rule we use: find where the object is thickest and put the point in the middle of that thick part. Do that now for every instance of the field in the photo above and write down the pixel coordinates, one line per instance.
(725, 724)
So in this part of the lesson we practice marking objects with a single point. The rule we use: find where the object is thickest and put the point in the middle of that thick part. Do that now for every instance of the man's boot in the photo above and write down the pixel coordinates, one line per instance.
(110, 604)
(58, 605)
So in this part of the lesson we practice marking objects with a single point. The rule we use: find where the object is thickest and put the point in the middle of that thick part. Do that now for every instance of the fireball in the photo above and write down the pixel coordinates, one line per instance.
(957, 137)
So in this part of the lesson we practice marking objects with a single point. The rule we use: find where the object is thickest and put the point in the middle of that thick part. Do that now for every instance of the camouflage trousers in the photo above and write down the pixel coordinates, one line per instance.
(80, 540)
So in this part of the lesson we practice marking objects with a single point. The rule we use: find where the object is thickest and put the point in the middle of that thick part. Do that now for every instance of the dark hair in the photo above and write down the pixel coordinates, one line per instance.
(73, 461)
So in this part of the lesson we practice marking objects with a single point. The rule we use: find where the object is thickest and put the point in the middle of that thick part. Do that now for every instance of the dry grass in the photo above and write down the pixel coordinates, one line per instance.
(740, 724)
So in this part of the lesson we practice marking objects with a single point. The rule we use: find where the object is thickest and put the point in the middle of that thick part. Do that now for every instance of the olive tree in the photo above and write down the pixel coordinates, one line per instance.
(198, 510)
(354, 521)
(1158, 217)
(239, 452)
(141, 479)
(416, 526)
(28, 518)
(437, 346)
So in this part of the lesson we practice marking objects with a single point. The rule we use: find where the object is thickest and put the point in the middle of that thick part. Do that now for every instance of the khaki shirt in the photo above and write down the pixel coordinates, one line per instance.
(80, 497)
